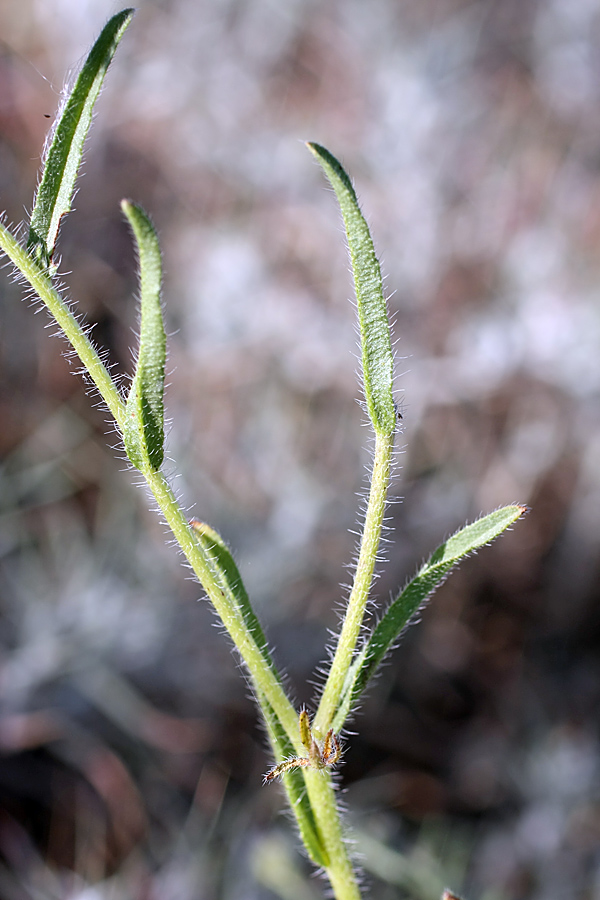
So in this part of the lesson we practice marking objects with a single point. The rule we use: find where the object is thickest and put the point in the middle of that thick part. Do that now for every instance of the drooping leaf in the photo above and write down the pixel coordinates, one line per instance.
(414, 595)
(143, 434)
(376, 345)
(63, 159)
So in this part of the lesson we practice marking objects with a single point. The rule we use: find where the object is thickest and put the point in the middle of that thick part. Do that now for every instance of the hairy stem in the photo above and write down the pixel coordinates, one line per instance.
(322, 799)
(209, 576)
(362, 584)
(207, 573)
(41, 283)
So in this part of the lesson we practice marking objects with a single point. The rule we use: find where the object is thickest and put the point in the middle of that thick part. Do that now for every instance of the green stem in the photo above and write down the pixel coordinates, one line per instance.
(209, 576)
(320, 791)
(322, 799)
(363, 577)
(42, 285)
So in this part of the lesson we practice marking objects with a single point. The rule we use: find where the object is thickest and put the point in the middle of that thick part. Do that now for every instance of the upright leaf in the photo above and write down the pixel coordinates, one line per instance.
(377, 356)
(231, 580)
(283, 747)
(63, 159)
(414, 595)
(143, 434)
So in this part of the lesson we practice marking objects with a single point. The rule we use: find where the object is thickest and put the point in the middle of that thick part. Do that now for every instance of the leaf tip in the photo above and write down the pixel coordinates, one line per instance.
(125, 16)
(327, 160)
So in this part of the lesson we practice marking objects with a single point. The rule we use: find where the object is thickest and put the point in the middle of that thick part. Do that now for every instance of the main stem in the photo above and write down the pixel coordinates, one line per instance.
(319, 786)
(322, 800)
(208, 576)
(384, 445)
(320, 790)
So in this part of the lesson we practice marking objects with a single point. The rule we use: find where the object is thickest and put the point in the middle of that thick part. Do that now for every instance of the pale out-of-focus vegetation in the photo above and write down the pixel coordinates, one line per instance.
(131, 763)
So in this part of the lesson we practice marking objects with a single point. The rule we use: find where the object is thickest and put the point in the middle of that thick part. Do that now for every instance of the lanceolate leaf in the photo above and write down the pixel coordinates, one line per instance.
(377, 357)
(143, 434)
(283, 748)
(416, 592)
(63, 159)
(220, 553)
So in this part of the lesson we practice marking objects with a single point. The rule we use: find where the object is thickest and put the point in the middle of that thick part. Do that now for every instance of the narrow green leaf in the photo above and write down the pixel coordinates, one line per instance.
(63, 159)
(282, 747)
(234, 598)
(295, 787)
(377, 356)
(143, 434)
(220, 553)
(414, 595)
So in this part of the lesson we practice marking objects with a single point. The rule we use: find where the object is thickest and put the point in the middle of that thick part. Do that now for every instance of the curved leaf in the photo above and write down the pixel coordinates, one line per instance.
(63, 159)
(377, 356)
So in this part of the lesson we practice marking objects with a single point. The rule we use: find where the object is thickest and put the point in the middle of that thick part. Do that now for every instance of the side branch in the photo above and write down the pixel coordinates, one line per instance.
(363, 578)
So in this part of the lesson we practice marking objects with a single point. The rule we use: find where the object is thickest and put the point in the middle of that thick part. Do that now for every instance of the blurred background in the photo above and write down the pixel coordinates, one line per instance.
(131, 758)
